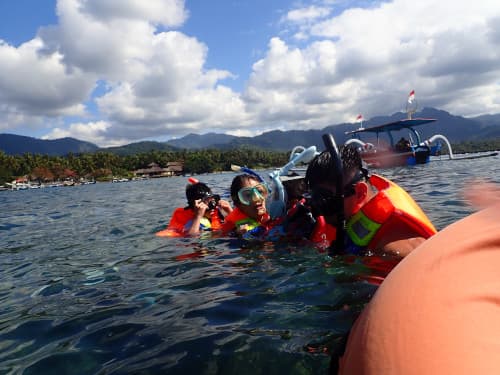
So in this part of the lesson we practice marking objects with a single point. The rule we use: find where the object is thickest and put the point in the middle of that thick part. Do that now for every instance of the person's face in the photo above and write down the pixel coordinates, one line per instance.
(252, 199)
(324, 199)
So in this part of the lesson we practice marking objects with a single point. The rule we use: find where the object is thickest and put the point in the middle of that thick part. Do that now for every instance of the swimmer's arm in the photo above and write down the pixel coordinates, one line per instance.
(199, 212)
(402, 247)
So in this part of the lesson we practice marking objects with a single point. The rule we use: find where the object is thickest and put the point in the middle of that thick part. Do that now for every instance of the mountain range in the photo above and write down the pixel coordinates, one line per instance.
(455, 128)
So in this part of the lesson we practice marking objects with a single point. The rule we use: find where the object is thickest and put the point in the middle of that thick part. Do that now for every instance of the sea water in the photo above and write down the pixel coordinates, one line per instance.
(86, 287)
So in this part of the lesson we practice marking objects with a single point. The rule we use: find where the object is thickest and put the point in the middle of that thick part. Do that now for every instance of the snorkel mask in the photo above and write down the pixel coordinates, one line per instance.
(323, 200)
(246, 195)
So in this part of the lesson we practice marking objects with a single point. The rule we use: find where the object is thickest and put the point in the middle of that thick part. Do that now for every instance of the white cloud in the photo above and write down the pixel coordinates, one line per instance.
(169, 13)
(370, 58)
(303, 18)
(94, 132)
(40, 85)
(307, 14)
(157, 83)
(325, 67)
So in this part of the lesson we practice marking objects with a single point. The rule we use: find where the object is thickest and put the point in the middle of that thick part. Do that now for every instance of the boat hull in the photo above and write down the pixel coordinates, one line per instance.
(388, 158)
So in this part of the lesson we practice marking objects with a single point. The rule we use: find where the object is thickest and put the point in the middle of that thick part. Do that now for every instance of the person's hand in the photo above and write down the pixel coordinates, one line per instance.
(481, 194)
(225, 207)
(200, 208)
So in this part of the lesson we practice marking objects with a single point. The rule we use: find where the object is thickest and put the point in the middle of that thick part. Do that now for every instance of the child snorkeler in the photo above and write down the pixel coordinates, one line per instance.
(250, 214)
(204, 211)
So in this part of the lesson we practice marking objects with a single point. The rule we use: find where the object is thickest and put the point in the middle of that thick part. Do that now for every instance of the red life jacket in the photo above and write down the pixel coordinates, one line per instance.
(323, 233)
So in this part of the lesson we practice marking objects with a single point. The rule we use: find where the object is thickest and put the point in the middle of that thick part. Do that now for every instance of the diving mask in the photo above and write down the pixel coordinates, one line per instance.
(246, 195)
(324, 200)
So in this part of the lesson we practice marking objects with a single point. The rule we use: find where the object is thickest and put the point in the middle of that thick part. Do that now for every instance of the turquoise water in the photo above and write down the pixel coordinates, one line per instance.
(86, 287)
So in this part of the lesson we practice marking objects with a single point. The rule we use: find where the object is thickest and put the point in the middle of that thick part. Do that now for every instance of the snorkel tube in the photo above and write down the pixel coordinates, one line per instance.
(277, 206)
(237, 168)
(305, 156)
(338, 245)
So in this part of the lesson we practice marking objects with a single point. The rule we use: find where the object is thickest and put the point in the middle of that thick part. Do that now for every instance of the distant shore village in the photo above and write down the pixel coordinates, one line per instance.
(153, 170)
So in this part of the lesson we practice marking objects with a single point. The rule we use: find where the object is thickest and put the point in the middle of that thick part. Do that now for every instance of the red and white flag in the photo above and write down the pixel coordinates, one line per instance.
(359, 118)
(411, 97)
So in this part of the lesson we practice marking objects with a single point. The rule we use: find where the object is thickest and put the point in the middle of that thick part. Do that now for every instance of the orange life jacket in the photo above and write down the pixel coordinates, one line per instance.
(390, 207)
(237, 218)
(181, 222)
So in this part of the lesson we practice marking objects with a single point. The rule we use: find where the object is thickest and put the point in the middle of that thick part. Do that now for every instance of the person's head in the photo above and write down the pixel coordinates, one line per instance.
(249, 195)
(199, 190)
(295, 187)
(321, 179)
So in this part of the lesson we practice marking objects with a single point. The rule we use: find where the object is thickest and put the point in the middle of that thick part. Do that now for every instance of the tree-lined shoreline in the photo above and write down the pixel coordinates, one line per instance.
(105, 166)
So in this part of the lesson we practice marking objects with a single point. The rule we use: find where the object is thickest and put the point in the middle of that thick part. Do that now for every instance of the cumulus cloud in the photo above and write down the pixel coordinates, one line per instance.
(369, 58)
(307, 14)
(168, 13)
(327, 63)
(94, 132)
(40, 85)
(303, 18)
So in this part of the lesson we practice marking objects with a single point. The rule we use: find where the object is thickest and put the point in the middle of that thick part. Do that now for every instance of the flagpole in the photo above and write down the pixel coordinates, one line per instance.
(360, 120)
(411, 105)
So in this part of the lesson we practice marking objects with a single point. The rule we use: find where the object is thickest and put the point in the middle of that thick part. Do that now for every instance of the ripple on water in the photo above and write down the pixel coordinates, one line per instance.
(87, 288)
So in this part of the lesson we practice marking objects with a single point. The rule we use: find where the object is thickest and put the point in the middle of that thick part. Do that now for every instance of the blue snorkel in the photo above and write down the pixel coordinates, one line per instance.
(246, 170)
(277, 206)
(337, 246)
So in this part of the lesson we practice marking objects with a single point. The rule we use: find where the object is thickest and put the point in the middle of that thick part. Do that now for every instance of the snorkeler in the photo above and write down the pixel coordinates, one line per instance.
(204, 211)
(249, 194)
(379, 215)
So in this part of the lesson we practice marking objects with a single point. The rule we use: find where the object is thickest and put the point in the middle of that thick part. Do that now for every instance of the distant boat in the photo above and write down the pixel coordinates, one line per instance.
(404, 152)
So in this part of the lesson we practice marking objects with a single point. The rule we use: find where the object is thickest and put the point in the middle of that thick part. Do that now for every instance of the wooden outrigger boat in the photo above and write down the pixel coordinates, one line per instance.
(404, 152)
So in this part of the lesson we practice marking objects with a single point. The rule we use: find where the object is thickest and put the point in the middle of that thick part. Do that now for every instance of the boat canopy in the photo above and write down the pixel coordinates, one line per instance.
(393, 126)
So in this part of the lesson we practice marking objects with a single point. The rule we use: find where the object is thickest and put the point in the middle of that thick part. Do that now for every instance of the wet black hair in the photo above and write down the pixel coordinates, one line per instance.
(320, 168)
(196, 191)
(295, 188)
(238, 182)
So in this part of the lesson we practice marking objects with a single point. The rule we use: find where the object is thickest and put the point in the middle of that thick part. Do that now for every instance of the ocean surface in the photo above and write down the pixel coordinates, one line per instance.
(86, 287)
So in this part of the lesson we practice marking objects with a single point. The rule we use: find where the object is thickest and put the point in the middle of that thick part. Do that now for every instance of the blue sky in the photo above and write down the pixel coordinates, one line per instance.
(114, 72)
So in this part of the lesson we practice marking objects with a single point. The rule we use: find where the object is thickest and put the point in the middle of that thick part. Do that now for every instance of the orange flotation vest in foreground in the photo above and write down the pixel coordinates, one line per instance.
(438, 311)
